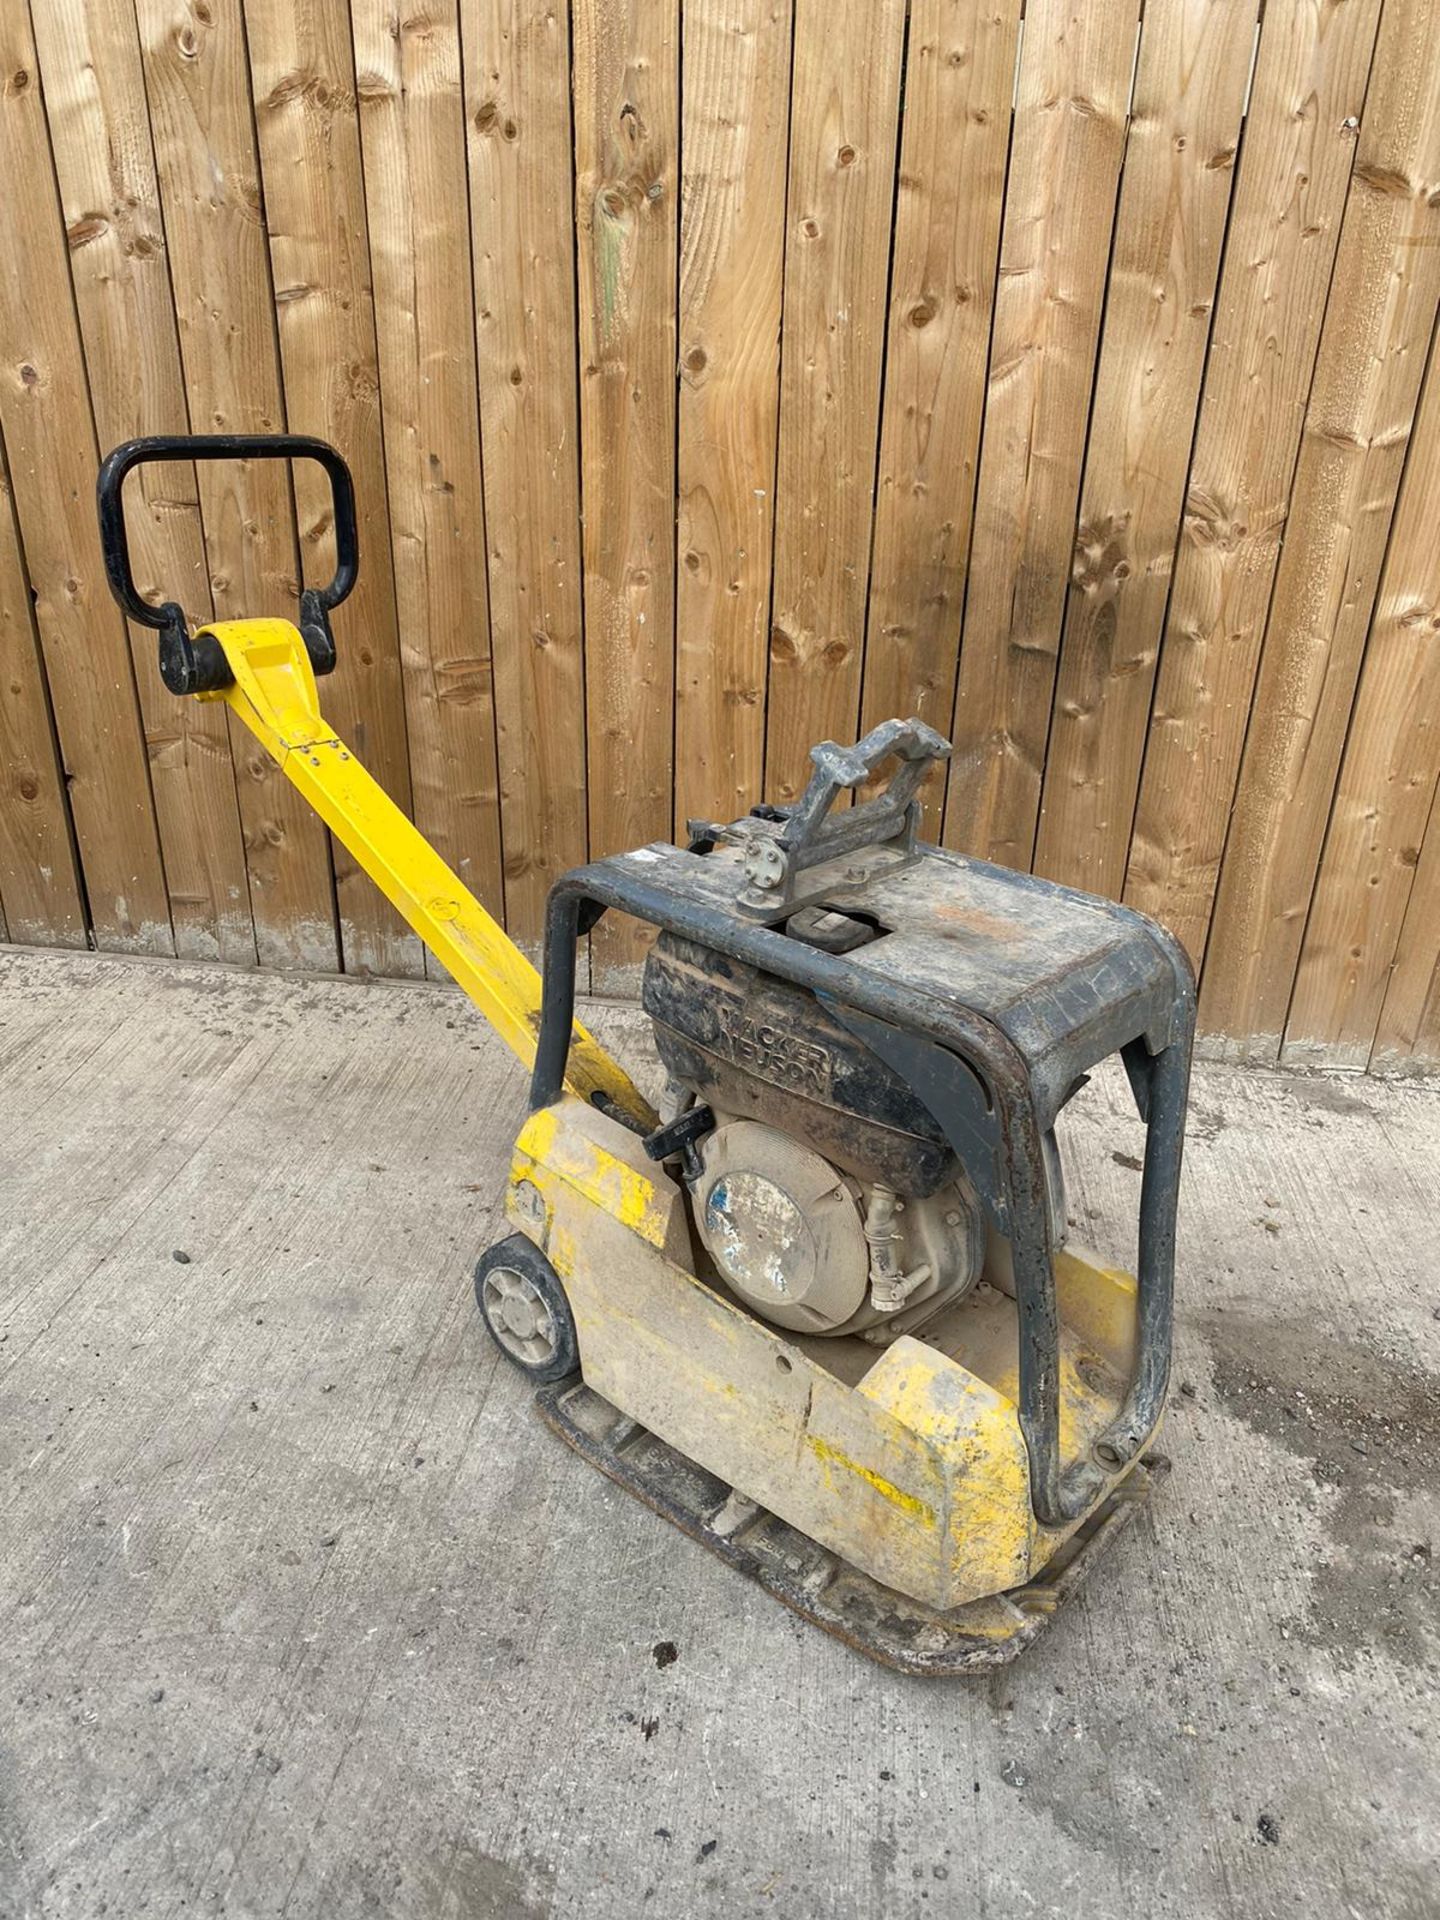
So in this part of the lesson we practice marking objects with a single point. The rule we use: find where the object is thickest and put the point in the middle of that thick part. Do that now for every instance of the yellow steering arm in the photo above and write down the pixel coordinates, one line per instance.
(273, 694)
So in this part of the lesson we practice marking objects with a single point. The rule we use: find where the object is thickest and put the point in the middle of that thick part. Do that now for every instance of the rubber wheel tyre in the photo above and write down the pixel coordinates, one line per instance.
(525, 1310)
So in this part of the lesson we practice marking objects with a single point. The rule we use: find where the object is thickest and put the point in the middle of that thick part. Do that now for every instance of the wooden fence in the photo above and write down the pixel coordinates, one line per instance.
(718, 377)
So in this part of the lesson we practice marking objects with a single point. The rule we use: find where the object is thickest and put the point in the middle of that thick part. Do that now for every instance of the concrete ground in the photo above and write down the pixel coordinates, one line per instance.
(302, 1612)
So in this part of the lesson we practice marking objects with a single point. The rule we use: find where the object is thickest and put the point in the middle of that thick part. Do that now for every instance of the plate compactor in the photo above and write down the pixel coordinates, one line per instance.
(819, 1310)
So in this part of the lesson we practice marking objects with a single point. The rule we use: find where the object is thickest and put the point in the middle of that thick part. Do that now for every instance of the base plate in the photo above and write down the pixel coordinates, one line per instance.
(817, 1584)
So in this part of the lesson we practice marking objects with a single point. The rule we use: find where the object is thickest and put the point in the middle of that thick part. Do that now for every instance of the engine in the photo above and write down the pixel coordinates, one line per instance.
(826, 1195)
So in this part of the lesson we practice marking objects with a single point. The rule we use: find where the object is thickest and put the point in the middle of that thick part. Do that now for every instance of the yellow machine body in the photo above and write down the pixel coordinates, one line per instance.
(906, 1462)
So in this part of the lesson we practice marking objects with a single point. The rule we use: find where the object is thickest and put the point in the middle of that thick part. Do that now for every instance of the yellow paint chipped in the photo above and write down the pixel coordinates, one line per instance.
(547, 1150)
(974, 1430)
(934, 1395)
(561, 1251)
(831, 1456)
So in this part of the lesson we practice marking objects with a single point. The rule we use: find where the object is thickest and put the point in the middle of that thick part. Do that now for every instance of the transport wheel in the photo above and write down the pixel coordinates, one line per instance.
(525, 1310)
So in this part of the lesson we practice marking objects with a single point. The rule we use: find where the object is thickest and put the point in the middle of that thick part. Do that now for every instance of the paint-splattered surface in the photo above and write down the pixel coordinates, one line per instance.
(303, 1613)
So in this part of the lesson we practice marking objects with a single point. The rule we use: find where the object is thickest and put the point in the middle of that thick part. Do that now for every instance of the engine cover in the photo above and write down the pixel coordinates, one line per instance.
(783, 1226)
(795, 1237)
(749, 1044)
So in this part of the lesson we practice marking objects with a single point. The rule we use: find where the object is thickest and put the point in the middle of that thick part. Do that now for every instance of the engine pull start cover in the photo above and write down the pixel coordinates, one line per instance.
(782, 1226)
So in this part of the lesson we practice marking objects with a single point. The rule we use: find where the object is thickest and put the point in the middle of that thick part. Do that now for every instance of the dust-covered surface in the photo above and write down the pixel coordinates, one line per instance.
(303, 1613)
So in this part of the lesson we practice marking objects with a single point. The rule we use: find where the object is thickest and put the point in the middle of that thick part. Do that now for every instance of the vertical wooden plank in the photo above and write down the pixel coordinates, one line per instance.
(39, 886)
(1174, 196)
(844, 114)
(1074, 87)
(517, 98)
(100, 137)
(736, 107)
(302, 73)
(1387, 783)
(198, 88)
(627, 77)
(1362, 406)
(1309, 86)
(412, 126)
(50, 437)
(1409, 1032)
(959, 84)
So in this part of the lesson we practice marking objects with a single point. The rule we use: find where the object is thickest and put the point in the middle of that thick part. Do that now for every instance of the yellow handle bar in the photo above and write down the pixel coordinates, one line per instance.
(274, 695)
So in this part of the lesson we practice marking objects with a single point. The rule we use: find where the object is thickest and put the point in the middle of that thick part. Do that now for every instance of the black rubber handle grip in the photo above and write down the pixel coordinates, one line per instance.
(185, 666)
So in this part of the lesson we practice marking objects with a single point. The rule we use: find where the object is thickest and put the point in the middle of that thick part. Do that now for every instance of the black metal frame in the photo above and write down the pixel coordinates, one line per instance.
(980, 1087)
(199, 666)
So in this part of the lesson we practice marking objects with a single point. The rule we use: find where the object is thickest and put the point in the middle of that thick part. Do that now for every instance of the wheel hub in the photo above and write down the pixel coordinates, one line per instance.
(519, 1316)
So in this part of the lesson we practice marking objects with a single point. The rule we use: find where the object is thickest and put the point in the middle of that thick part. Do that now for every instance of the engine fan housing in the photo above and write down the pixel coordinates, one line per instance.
(796, 1237)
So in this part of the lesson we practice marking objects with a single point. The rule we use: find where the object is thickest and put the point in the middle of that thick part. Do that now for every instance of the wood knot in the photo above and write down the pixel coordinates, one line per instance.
(1209, 524)
(782, 647)
(297, 86)
(1100, 562)
(88, 227)
(1383, 179)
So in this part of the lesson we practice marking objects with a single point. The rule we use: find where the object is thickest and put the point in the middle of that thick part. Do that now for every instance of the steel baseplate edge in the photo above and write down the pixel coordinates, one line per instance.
(815, 1583)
